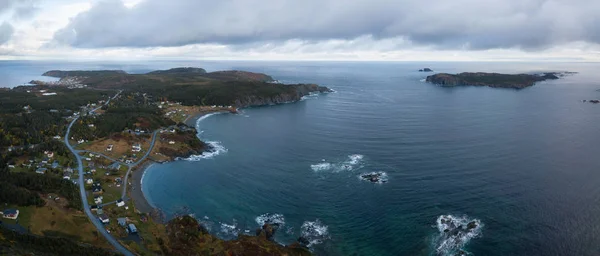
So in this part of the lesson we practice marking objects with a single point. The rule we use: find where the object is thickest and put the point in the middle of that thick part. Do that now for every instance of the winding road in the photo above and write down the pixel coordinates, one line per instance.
(86, 206)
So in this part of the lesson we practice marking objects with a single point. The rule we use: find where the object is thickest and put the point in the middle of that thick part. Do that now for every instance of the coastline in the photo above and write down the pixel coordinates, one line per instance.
(140, 200)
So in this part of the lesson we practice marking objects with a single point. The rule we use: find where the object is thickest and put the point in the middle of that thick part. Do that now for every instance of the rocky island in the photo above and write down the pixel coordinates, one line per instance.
(497, 80)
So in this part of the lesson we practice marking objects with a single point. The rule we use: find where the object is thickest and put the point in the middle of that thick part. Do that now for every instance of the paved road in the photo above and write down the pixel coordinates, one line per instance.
(125, 182)
(86, 206)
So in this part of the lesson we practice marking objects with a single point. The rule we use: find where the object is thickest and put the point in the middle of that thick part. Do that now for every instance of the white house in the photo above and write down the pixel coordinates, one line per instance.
(109, 148)
(103, 218)
(89, 181)
(80, 141)
(120, 203)
(171, 142)
(136, 148)
(98, 199)
(90, 125)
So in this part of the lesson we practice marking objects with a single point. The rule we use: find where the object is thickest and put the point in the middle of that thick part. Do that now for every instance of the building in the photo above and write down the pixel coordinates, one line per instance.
(120, 203)
(136, 148)
(94, 208)
(98, 199)
(171, 142)
(41, 170)
(132, 229)
(103, 218)
(89, 181)
(122, 221)
(109, 148)
(10, 214)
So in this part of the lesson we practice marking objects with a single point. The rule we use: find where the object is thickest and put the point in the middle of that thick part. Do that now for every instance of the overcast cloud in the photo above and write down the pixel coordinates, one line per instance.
(457, 24)
(6, 32)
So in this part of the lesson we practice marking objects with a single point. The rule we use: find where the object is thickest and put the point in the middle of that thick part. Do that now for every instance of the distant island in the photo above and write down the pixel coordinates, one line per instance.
(425, 70)
(497, 80)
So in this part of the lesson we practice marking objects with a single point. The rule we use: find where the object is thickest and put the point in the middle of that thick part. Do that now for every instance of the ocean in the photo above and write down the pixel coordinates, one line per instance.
(520, 166)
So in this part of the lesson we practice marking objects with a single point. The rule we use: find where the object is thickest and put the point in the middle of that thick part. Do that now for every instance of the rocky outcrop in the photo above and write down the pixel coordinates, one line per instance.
(425, 70)
(515, 81)
(296, 93)
(187, 237)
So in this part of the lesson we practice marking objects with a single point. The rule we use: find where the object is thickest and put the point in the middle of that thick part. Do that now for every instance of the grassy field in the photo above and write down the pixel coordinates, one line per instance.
(55, 220)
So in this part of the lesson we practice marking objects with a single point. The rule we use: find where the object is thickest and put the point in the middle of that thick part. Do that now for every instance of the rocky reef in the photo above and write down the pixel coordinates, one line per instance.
(425, 70)
(374, 177)
(187, 237)
(514, 81)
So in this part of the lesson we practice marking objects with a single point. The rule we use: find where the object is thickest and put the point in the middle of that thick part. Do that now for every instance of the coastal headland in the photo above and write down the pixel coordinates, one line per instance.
(120, 124)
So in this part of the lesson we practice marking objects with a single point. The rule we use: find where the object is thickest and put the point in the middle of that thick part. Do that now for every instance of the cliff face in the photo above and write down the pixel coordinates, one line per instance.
(296, 93)
(518, 81)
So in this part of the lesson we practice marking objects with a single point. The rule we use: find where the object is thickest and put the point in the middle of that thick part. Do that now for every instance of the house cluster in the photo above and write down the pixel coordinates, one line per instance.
(129, 227)
(12, 214)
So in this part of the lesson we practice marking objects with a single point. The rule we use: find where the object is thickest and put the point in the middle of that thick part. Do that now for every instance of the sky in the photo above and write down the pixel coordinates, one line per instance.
(388, 30)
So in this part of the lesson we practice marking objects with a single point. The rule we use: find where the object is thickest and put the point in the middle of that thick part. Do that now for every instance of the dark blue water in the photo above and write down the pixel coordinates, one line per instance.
(522, 165)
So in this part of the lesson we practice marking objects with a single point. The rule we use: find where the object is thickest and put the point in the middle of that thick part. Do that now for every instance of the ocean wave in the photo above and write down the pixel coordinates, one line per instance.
(310, 95)
(354, 161)
(422, 80)
(216, 150)
(315, 232)
(268, 218)
(204, 117)
(455, 233)
(229, 231)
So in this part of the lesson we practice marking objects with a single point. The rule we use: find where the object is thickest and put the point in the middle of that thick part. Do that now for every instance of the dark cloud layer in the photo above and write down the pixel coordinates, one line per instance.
(457, 24)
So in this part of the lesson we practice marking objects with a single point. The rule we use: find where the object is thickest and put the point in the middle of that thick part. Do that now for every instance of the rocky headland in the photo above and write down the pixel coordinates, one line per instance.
(496, 80)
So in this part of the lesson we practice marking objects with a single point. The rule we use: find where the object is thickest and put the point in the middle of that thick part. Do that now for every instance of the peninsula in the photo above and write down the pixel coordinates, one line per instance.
(497, 80)
(70, 149)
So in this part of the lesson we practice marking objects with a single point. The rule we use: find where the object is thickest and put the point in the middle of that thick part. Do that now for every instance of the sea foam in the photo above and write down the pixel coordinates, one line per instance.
(353, 161)
(315, 232)
(269, 218)
(455, 233)
(216, 150)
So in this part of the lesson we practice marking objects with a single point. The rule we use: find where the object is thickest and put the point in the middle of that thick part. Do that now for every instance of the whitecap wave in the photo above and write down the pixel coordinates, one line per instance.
(310, 95)
(269, 218)
(354, 161)
(455, 233)
(228, 231)
(315, 232)
(422, 80)
(216, 150)
(321, 167)
(374, 177)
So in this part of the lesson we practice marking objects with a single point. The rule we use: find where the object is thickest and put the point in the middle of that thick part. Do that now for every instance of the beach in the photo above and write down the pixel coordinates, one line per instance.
(137, 195)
